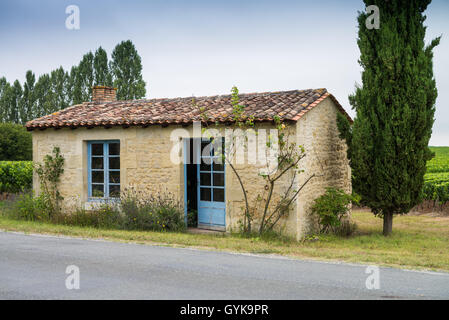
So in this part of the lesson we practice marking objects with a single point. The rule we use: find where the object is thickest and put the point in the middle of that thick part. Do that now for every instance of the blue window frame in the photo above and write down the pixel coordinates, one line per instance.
(103, 170)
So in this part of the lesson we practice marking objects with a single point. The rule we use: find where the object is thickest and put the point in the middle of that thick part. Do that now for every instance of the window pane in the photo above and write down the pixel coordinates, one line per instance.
(205, 194)
(205, 166)
(97, 163)
(219, 179)
(205, 179)
(114, 191)
(218, 195)
(98, 190)
(218, 147)
(218, 167)
(97, 149)
(114, 149)
(97, 176)
(206, 148)
(114, 163)
(114, 176)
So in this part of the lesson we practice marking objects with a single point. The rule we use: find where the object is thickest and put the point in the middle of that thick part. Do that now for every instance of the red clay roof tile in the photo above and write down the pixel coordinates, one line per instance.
(288, 105)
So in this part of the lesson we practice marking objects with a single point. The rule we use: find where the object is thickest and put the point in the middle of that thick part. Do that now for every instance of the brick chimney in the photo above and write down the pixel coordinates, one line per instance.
(102, 94)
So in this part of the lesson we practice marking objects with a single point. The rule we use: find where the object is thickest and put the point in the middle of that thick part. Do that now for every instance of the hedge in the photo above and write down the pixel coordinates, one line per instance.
(15, 143)
(16, 176)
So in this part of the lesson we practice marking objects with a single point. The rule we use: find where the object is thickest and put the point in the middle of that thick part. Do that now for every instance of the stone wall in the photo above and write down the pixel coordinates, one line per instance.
(144, 159)
(146, 164)
(325, 157)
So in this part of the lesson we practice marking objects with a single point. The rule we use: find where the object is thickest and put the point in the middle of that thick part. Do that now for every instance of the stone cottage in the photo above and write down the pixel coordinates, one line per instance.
(109, 145)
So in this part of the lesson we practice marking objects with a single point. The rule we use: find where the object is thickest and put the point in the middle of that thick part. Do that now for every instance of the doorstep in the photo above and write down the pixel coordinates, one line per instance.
(203, 231)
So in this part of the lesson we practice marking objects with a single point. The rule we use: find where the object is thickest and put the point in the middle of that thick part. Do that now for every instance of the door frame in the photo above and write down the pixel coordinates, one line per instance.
(186, 144)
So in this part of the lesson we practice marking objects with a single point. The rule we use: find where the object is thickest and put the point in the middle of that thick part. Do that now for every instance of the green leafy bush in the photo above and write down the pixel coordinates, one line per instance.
(135, 211)
(331, 210)
(158, 212)
(192, 218)
(15, 143)
(30, 208)
(105, 217)
(49, 174)
(16, 176)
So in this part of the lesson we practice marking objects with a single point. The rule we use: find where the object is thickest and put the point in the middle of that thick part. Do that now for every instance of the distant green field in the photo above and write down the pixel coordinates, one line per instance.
(436, 186)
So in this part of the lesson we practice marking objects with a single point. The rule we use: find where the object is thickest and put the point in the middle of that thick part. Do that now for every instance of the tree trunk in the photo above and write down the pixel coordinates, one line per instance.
(388, 223)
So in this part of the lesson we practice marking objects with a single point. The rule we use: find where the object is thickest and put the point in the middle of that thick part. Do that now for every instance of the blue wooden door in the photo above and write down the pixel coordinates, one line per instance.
(211, 185)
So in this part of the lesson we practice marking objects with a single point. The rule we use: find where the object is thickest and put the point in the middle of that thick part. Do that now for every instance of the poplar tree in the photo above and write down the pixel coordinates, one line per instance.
(102, 75)
(3, 87)
(29, 100)
(86, 76)
(126, 68)
(59, 96)
(44, 95)
(395, 107)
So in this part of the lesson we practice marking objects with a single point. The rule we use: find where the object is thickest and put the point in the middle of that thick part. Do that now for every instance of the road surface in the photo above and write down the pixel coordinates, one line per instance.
(34, 267)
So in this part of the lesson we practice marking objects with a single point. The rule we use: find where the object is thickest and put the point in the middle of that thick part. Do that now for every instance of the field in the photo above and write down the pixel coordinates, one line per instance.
(436, 186)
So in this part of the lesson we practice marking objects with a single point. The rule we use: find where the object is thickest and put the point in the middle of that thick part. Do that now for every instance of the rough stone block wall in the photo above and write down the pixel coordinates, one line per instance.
(325, 157)
(146, 165)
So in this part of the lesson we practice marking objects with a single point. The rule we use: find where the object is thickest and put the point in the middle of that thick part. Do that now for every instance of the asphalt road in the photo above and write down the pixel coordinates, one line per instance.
(34, 267)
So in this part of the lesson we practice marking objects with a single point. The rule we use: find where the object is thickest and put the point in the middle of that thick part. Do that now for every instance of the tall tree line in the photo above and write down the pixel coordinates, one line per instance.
(61, 88)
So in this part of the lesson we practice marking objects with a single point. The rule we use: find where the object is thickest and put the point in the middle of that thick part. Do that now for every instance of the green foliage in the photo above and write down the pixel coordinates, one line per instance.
(395, 107)
(31, 208)
(16, 176)
(29, 97)
(159, 212)
(436, 181)
(59, 89)
(15, 143)
(331, 209)
(440, 163)
(126, 67)
(102, 74)
(135, 211)
(49, 174)
(105, 217)
(192, 219)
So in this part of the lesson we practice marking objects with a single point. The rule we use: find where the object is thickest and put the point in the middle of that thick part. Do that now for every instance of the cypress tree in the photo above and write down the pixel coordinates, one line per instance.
(395, 107)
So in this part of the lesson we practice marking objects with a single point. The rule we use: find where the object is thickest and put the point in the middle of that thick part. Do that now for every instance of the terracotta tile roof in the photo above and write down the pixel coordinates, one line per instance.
(288, 105)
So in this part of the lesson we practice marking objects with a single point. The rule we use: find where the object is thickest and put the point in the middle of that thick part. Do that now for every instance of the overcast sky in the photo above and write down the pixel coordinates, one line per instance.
(205, 47)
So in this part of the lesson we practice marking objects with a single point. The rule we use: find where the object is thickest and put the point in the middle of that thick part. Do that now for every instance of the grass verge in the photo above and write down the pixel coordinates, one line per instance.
(418, 242)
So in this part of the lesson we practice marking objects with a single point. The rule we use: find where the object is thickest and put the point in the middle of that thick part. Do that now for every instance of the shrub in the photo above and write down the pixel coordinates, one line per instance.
(192, 218)
(49, 174)
(15, 143)
(331, 209)
(31, 208)
(105, 217)
(158, 212)
(16, 176)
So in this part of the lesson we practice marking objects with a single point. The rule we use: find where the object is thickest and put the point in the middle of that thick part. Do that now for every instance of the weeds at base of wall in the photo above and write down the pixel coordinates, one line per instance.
(158, 212)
